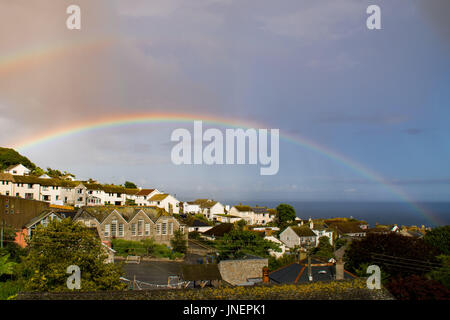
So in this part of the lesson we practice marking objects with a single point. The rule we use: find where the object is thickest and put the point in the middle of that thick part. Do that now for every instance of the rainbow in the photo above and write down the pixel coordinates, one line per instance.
(146, 118)
(22, 59)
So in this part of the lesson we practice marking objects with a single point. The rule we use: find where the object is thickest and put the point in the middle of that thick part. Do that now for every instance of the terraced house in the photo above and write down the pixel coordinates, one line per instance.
(131, 223)
(253, 215)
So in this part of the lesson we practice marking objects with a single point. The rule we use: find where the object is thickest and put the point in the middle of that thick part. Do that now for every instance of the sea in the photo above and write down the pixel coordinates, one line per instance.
(400, 213)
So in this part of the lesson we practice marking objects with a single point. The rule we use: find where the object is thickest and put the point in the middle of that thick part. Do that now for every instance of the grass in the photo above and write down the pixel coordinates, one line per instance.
(9, 289)
(144, 248)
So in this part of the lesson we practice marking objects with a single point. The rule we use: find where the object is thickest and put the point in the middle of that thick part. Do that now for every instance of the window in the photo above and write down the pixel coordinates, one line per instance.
(29, 196)
(106, 230)
(121, 230)
(140, 227)
(182, 229)
(7, 193)
(164, 228)
(114, 228)
(158, 228)
(147, 229)
(133, 229)
(170, 227)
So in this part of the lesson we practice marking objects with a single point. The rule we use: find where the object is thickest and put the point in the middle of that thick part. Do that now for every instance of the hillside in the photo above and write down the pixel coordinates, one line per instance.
(10, 157)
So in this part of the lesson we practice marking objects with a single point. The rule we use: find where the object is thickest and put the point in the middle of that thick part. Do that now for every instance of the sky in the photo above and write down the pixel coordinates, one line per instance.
(312, 69)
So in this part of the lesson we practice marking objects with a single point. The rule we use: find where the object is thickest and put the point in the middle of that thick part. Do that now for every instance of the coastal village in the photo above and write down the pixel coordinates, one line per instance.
(297, 251)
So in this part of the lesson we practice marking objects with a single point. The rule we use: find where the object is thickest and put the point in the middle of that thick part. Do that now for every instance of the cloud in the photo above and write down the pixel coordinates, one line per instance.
(317, 20)
(437, 14)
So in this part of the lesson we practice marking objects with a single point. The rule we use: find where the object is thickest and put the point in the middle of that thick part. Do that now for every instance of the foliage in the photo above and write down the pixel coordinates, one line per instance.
(340, 242)
(439, 238)
(201, 217)
(241, 224)
(10, 247)
(143, 248)
(324, 248)
(130, 202)
(6, 267)
(385, 250)
(442, 274)
(416, 287)
(285, 214)
(282, 261)
(130, 185)
(9, 289)
(320, 290)
(238, 243)
(10, 157)
(38, 172)
(179, 242)
(63, 243)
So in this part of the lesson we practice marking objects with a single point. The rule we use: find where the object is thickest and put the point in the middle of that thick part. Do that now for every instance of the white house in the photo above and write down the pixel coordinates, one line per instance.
(321, 230)
(191, 207)
(6, 184)
(143, 196)
(253, 215)
(301, 236)
(18, 169)
(280, 243)
(210, 208)
(165, 201)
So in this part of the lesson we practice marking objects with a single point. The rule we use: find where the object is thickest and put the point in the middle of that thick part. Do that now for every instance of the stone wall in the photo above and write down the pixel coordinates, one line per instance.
(239, 271)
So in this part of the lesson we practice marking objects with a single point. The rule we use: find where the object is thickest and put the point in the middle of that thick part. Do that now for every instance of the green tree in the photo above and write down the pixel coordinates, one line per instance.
(63, 243)
(54, 173)
(130, 185)
(179, 242)
(10, 157)
(324, 248)
(442, 274)
(6, 267)
(439, 238)
(285, 214)
(38, 172)
(238, 243)
(386, 250)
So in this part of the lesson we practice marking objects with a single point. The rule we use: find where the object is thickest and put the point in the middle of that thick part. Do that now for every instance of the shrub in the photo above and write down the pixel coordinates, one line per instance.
(417, 288)
(9, 289)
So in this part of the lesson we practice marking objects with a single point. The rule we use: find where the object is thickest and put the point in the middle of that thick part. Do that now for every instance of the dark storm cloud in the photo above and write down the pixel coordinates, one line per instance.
(437, 13)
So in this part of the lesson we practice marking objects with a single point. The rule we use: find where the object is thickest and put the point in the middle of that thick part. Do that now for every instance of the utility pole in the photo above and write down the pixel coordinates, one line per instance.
(1, 237)
(309, 269)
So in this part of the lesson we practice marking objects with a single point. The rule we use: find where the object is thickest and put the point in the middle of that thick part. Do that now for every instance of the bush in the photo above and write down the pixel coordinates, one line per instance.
(9, 289)
(143, 248)
(417, 288)
(282, 261)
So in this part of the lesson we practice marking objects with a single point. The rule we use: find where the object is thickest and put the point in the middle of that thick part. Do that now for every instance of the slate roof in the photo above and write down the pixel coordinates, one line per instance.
(101, 212)
(297, 273)
(219, 230)
(193, 272)
(259, 210)
(198, 223)
(45, 213)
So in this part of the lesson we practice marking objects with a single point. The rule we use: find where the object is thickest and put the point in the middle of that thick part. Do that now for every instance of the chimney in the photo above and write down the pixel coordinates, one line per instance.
(265, 275)
(311, 225)
(339, 270)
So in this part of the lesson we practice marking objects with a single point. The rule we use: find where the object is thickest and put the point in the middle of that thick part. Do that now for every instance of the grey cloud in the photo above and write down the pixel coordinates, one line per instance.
(437, 13)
